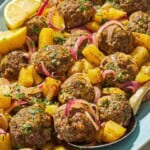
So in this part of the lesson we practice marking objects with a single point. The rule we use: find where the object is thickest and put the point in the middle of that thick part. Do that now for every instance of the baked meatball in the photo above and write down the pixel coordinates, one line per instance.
(76, 12)
(115, 39)
(34, 26)
(131, 6)
(55, 58)
(123, 67)
(11, 64)
(77, 86)
(72, 39)
(139, 22)
(76, 122)
(114, 107)
(30, 127)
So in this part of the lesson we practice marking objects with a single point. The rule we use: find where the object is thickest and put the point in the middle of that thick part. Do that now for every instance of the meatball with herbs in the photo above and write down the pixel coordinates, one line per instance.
(131, 6)
(139, 22)
(76, 86)
(76, 12)
(11, 64)
(121, 67)
(114, 107)
(114, 38)
(34, 26)
(30, 127)
(55, 59)
(74, 122)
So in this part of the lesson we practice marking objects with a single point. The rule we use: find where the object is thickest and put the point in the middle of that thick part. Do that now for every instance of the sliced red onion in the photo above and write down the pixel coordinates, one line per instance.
(44, 69)
(31, 45)
(40, 86)
(131, 85)
(91, 120)
(40, 11)
(94, 39)
(97, 94)
(2, 131)
(68, 107)
(108, 72)
(80, 40)
(50, 18)
(16, 104)
(107, 24)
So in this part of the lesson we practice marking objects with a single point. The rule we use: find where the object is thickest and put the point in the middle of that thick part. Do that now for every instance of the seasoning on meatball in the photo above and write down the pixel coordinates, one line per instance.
(11, 64)
(34, 26)
(30, 127)
(139, 22)
(114, 107)
(77, 86)
(55, 59)
(115, 38)
(131, 6)
(76, 13)
(76, 122)
(122, 69)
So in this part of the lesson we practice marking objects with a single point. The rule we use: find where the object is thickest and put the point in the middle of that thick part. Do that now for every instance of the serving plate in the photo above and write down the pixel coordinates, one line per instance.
(141, 135)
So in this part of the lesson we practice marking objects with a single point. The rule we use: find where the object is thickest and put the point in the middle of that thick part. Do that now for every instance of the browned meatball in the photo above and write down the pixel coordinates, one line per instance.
(74, 122)
(115, 107)
(134, 5)
(11, 64)
(98, 2)
(122, 65)
(56, 59)
(34, 26)
(76, 12)
(30, 127)
(139, 22)
(77, 86)
(71, 40)
(115, 39)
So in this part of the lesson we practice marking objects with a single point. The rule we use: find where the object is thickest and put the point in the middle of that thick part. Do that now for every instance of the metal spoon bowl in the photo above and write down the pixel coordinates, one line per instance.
(130, 130)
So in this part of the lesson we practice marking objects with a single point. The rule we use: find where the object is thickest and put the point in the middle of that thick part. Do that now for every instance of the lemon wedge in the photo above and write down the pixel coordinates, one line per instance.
(17, 11)
(12, 39)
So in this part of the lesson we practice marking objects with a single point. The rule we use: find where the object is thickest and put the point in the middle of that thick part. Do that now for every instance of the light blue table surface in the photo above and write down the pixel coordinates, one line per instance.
(142, 133)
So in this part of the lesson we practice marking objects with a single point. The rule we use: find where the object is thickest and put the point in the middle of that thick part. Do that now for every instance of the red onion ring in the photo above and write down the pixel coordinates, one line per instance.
(51, 14)
(107, 72)
(44, 69)
(68, 107)
(2, 131)
(16, 104)
(131, 85)
(40, 86)
(107, 24)
(32, 47)
(74, 50)
(97, 94)
(40, 11)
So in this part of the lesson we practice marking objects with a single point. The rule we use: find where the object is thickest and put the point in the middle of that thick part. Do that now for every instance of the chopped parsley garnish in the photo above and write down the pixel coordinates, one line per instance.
(26, 128)
(36, 111)
(7, 95)
(82, 8)
(20, 95)
(106, 103)
(59, 40)
(120, 76)
(35, 30)
(111, 67)
(104, 20)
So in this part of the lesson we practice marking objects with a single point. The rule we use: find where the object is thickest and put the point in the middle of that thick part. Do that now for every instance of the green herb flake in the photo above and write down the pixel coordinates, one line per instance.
(27, 128)
(7, 95)
(106, 103)
(20, 95)
(35, 30)
(59, 40)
